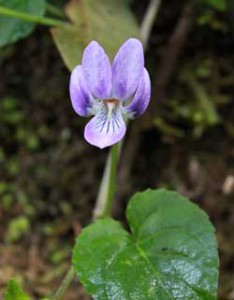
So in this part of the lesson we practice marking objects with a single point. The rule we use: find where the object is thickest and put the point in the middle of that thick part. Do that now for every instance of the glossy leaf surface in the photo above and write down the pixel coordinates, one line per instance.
(171, 252)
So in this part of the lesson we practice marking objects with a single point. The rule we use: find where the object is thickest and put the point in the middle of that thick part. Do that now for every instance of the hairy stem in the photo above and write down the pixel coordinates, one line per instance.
(11, 13)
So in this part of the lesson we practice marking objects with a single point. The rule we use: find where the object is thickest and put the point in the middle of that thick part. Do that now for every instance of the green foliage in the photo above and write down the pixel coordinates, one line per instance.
(13, 29)
(209, 18)
(14, 292)
(209, 14)
(171, 252)
(108, 22)
(218, 4)
(17, 228)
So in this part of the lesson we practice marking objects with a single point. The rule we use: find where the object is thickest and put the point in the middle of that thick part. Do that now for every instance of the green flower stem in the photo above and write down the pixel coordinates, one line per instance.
(112, 181)
(108, 184)
(29, 18)
(65, 284)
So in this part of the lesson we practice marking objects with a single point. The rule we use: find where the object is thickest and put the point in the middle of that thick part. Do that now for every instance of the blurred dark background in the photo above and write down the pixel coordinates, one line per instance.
(49, 175)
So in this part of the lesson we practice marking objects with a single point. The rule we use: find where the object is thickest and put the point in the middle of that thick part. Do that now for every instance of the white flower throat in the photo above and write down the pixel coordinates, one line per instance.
(111, 105)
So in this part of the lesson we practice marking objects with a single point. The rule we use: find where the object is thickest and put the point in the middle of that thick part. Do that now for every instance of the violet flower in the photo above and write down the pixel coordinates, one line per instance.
(111, 93)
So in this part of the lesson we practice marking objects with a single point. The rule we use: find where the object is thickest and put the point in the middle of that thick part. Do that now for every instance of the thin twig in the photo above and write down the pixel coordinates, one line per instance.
(148, 21)
(172, 52)
(65, 284)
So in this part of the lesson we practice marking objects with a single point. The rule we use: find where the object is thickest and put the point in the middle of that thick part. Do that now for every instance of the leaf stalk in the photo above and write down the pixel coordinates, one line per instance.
(11, 13)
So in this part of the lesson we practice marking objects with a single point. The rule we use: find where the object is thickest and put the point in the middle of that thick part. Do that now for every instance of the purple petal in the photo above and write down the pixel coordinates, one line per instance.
(103, 130)
(127, 69)
(97, 70)
(142, 97)
(80, 96)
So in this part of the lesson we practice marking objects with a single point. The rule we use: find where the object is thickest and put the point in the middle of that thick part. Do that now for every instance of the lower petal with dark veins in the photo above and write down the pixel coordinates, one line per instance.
(104, 130)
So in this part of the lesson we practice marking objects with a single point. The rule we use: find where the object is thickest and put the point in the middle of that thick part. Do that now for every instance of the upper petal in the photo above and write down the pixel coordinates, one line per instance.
(80, 96)
(97, 70)
(127, 69)
(141, 99)
(103, 130)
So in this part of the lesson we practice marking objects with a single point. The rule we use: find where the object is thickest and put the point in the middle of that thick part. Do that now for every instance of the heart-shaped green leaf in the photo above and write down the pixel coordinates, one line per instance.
(13, 29)
(171, 252)
(14, 292)
(108, 22)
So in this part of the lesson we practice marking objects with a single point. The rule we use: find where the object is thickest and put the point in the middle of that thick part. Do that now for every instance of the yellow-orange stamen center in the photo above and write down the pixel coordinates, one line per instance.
(114, 101)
